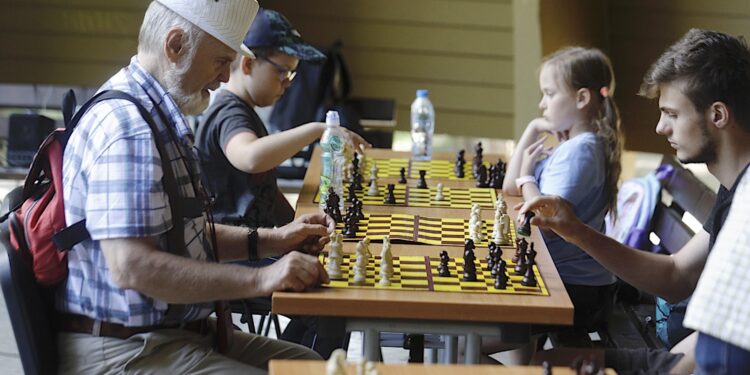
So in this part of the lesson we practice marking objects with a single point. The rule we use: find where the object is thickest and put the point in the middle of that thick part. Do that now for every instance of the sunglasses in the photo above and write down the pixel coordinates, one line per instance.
(284, 73)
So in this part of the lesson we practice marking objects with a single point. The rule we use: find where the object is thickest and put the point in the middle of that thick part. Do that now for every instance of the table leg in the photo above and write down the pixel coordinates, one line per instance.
(451, 348)
(372, 345)
(473, 344)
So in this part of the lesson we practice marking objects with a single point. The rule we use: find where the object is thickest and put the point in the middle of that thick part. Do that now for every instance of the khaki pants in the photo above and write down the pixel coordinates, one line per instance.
(172, 351)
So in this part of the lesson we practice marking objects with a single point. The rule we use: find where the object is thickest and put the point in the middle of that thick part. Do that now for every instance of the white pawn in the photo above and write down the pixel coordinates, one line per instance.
(335, 256)
(336, 364)
(373, 191)
(386, 262)
(439, 193)
(478, 229)
(497, 234)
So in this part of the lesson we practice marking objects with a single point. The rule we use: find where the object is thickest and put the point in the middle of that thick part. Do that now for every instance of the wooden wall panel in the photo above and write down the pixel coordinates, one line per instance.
(461, 50)
(67, 42)
(640, 31)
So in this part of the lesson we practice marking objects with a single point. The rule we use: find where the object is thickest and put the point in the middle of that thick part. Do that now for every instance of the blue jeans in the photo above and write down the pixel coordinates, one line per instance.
(714, 356)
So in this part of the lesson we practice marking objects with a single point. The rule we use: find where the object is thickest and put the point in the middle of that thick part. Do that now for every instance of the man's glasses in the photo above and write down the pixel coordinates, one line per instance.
(284, 73)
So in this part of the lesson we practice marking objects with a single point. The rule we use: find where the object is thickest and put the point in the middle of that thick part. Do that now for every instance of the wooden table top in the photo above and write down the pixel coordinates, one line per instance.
(423, 305)
(277, 367)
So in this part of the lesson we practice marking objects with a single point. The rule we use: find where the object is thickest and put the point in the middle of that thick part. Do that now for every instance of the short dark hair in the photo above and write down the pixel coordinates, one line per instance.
(715, 66)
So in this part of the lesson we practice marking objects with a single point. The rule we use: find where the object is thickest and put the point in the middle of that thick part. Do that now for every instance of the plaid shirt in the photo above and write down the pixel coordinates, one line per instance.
(719, 307)
(112, 178)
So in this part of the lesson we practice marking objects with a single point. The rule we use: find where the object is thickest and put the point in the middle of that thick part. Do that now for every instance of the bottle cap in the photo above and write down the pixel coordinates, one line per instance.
(422, 93)
(332, 118)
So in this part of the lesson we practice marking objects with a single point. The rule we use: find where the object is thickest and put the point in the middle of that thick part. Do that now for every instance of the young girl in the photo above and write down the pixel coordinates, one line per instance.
(578, 108)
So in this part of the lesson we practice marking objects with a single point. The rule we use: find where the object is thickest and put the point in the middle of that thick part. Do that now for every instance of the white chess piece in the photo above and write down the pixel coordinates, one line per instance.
(373, 191)
(505, 228)
(501, 205)
(374, 170)
(336, 364)
(386, 262)
(335, 256)
(497, 234)
(439, 193)
(363, 257)
(478, 229)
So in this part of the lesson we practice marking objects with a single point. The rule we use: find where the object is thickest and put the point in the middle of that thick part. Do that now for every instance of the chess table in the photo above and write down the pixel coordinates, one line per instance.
(375, 310)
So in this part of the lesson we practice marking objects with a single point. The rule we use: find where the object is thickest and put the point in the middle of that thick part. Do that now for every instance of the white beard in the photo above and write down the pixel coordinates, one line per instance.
(190, 104)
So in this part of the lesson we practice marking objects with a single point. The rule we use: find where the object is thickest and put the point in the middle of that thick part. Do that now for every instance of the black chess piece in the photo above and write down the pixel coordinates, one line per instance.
(525, 229)
(521, 265)
(498, 272)
(332, 205)
(458, 169)
(402, 178)
(460, 156)
(529, 278)
(357, 180)
(491, 257)
(478, 150)
(355, 163)
(351, 192)
(390, 197)
(481, 176)
(422, 183)
(358, 209)
(443, 268)
(470, 268)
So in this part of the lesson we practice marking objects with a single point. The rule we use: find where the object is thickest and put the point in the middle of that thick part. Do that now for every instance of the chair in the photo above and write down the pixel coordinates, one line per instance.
(29, 305)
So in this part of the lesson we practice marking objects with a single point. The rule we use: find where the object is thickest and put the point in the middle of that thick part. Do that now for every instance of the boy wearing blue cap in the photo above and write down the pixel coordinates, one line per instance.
(238, 154)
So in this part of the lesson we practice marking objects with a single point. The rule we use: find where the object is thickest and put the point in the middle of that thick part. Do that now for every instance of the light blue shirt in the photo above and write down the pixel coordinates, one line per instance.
(576, 171)
(112, 178)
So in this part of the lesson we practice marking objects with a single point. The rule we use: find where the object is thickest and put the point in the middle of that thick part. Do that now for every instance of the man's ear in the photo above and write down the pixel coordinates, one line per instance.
(583, 98)
(719, 113)
(246, 64)
(173, 44)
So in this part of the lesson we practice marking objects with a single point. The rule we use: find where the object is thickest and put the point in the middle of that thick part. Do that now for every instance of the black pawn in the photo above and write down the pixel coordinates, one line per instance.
(525, 229)
(422, 184)
(458, 170)
(470, 268)
(481, 176)
(501, 279)
(357, 180)
(390, 197)
(358, 209)
(443, 269)
(491, 257)
(402, 178)
(351, 192)
(529, 278)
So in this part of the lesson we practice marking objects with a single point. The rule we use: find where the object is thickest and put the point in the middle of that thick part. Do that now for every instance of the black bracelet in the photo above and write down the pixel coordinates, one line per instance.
(252, 244)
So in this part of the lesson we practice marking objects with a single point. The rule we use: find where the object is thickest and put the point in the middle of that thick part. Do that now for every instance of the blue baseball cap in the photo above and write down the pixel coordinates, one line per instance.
(273, 31)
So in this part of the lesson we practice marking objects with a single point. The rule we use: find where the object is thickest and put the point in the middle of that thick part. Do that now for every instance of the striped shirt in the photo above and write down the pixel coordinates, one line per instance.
(719, 307)
(112, 178)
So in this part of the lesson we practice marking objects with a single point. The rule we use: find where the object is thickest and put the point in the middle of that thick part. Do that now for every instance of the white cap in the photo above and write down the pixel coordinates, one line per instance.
(226, 20)
(332, 118)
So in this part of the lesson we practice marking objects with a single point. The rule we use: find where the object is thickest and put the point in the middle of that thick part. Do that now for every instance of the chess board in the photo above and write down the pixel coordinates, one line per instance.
(390, 167)
(413, 197)
(441, 169)
(421, 229)
(420, 273)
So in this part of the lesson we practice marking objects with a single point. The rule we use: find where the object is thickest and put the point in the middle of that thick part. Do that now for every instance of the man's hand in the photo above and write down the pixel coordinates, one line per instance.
(553, 213)
(293, 272)
(308, 233)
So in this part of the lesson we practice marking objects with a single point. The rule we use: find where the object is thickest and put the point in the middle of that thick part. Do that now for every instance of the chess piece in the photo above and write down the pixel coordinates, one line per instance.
(357, 180)
(521, 265)
(422, 184)
(443, 267)
(351, 226)
(529, 278)
(470, 268)
(525, 229)
(336, 364)
(458, 169)
(402, 178)
(390, 197)
(373, 191)
(357, 204)
(491, 257)
(335, 256)
(504, 228)
(498, 272)
(481, 176)
(352, 192)
(439, 193)
(332, 205)
(386, 262)
(360, 265)
(374, 170)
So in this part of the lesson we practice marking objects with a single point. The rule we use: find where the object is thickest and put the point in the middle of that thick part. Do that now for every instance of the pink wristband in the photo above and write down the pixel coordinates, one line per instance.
(523, 180)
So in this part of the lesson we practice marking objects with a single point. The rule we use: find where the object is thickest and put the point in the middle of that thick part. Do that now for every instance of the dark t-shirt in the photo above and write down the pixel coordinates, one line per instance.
(240, 198)
(721, 209)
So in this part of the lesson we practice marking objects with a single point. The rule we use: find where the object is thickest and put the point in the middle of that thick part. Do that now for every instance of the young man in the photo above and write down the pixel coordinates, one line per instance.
(116, 305)
(238, 154)
(703, 86)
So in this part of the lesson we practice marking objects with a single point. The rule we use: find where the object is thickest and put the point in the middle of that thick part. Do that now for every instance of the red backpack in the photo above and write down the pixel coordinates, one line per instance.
(37, 225)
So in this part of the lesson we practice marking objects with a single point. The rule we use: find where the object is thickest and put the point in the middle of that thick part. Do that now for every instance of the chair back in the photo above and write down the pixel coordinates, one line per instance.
(689, 194)
(29, 305)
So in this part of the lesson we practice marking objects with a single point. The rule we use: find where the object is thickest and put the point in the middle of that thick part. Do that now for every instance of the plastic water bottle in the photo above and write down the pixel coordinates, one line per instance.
(422, 126)
(333, 143)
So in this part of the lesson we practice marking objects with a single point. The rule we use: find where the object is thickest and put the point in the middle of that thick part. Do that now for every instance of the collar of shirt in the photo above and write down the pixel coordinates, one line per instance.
(161, 97)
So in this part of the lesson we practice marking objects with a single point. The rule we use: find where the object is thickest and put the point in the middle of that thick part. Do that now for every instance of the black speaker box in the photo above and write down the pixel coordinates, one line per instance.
(25, 134)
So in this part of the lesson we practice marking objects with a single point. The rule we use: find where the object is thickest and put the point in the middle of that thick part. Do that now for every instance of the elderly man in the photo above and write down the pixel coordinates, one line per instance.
(130, 304)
